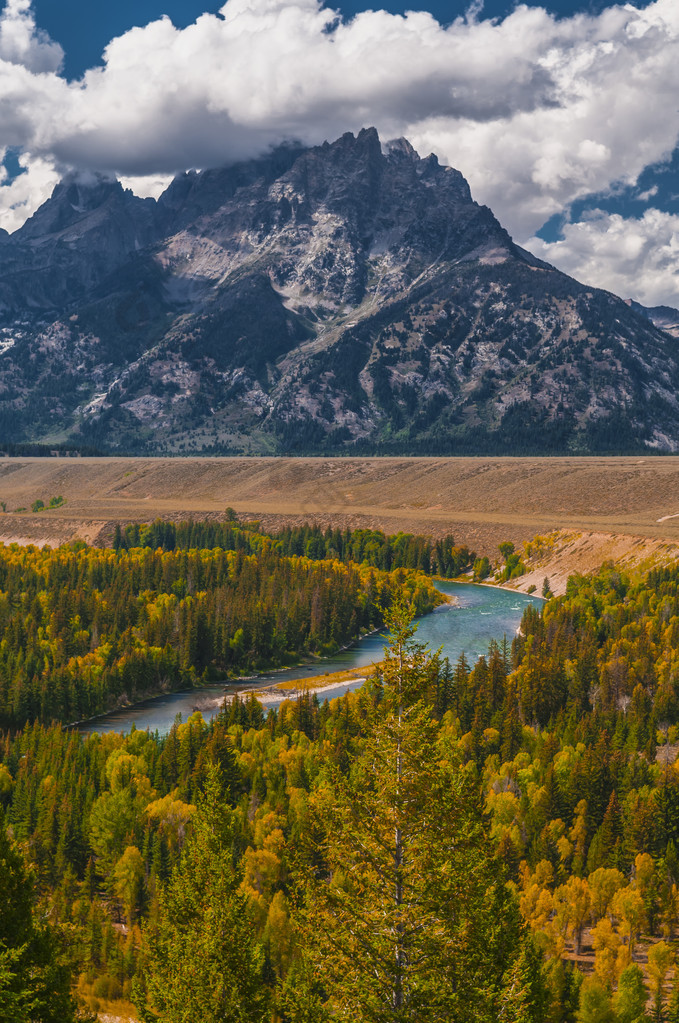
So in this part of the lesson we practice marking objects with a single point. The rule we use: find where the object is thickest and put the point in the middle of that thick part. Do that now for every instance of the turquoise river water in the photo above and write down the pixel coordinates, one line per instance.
(481, 613)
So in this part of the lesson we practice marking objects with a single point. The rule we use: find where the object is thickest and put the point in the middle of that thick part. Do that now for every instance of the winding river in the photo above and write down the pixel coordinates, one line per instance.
(480, 614)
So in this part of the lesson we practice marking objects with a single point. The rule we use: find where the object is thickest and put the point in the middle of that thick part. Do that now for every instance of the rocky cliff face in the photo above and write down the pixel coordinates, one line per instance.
(349, 296)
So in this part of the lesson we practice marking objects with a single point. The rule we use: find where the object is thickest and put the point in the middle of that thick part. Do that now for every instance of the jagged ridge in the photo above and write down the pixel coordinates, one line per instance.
(351, 295)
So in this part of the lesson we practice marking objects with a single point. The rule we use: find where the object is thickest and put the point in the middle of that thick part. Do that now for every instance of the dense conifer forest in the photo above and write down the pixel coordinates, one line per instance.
(84, 629)
(452, 841)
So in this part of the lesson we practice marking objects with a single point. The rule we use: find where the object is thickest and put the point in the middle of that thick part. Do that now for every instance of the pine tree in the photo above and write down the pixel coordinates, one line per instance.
(34, 976)
(405, 918)
(201, 962)
(630, 999)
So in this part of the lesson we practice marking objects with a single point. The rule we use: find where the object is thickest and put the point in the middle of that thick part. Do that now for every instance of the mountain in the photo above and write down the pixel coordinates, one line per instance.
(346, 297)
(86, 230)
(663, 316)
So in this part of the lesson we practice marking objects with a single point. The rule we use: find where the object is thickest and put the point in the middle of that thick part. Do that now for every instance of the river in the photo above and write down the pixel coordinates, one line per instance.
(481, 613)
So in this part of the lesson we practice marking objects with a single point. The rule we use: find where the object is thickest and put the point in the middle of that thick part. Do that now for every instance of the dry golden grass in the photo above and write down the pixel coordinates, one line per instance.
(480, 500)
(326, 681)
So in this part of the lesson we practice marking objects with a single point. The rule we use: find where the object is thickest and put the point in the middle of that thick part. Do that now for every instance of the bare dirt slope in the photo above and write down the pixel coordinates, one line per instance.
(481, 500)
(571, 552)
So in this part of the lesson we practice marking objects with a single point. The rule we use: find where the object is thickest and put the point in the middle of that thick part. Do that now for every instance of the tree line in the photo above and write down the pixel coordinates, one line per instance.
(442, 557)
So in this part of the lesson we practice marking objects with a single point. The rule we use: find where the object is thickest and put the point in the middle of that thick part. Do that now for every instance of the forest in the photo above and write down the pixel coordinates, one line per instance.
(370, 547)
(84, 629)
(495, 841)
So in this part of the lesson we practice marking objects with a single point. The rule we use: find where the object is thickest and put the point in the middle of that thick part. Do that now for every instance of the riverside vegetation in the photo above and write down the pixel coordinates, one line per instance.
(445, 843)
(84, 629)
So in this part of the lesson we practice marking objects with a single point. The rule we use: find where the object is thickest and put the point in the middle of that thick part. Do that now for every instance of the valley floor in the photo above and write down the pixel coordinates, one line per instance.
(624, 509)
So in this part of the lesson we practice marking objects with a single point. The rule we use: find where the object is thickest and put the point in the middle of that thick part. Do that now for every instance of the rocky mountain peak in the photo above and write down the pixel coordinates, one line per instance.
(400, 147)
(347, 295)
(365, 145)
(88, 228)
(73, 199)
(196, 194)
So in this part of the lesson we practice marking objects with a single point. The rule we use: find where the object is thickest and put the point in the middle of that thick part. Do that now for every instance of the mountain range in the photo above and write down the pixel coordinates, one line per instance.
(350, 297)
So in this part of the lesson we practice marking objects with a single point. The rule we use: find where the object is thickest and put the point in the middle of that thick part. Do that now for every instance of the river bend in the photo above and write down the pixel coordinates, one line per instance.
(480, 614)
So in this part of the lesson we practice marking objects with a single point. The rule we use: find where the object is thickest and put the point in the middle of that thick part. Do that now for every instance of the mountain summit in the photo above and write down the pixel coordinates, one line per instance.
(350, 296)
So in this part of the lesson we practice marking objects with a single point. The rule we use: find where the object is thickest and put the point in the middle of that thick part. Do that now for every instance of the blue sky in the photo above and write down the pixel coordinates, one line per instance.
(563, 115)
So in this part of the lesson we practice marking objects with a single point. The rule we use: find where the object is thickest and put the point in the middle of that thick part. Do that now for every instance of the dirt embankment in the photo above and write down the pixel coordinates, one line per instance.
(625, 509)
(566, 553)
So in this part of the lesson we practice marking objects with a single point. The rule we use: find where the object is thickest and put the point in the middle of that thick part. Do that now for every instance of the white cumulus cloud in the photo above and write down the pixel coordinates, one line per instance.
(633, 257)
(21, 42)
(21, 196)
(535, 111)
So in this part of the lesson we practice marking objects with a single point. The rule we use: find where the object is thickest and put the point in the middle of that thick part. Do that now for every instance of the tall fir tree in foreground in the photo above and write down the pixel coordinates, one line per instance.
(405, 917)
(201, 962)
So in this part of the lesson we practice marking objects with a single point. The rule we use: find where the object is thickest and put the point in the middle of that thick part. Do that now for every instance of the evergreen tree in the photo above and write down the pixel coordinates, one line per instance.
(35, 980)
(405, 917)
(673, 1007)
(201, 963)
(630, 999)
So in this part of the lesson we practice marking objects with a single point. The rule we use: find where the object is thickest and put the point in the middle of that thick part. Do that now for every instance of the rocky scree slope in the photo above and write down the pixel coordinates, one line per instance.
(350, 296)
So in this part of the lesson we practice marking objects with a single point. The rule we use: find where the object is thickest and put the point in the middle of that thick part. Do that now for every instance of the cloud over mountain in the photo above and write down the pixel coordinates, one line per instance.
(535, 111)
(629, 256)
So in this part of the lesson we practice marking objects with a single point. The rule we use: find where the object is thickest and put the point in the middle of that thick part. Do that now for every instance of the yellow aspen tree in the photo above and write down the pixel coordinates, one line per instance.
(661, 959)
(572, 902)
(606, 944)
(603, 884)
(129, 876)
(628, 908)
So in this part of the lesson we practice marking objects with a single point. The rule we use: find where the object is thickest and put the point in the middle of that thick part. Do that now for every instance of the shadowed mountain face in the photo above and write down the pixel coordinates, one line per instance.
(663, 316)
(347, 297)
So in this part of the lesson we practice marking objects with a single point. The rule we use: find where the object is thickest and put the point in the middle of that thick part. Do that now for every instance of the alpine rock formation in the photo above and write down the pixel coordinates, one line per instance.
(346, 297)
